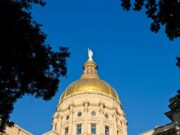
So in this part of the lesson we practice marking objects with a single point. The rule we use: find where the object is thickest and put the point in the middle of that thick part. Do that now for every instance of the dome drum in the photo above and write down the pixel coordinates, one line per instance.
(79, 108)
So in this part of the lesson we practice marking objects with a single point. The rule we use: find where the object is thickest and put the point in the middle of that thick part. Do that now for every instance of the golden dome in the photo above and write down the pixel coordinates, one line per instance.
(90, 82)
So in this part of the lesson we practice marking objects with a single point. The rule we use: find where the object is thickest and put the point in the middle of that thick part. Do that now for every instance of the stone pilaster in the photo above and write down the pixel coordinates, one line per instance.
(115, 123)
(71, 119)
(124, 127)
(59, 124)
(101, 120)
(86, 118)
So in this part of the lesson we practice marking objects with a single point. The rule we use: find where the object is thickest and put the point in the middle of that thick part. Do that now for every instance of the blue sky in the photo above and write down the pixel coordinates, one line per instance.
(139, 64)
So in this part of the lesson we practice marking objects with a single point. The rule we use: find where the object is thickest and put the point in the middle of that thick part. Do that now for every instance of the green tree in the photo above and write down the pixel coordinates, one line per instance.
(28, 66)
(162, 12)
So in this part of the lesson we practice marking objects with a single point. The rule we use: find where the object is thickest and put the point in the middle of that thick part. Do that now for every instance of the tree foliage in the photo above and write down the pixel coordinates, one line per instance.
(27, 64)
(162, 12)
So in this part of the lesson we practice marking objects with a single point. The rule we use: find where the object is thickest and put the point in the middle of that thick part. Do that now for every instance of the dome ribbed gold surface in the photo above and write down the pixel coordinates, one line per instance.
(90, 85)
(90, 82)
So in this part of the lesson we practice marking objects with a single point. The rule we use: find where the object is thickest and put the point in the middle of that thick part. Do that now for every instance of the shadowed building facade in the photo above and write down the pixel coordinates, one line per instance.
(89, 106)
(172, 128)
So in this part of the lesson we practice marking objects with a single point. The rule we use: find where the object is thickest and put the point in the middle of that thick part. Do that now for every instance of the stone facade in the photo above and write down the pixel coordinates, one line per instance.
(172, 128)
(94, 109)
(15, 130)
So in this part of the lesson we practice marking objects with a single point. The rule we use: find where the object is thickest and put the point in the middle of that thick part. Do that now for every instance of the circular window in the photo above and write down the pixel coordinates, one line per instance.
(67, 118)
(93, 113)
(79, 114)
(106, 115)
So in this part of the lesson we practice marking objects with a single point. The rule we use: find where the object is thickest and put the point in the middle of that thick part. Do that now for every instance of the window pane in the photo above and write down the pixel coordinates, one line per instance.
(93, 128)
(93, 113)
(67, 117)
(79, 114)
(78, 130)
(106, 130)
(106, 115)
(66, 131)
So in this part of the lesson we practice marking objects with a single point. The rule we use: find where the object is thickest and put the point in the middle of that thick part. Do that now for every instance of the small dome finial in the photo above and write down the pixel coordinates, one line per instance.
(90, 67)
(90, 54)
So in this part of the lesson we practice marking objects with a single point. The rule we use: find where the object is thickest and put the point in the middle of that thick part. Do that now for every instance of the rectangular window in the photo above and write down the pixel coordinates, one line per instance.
(106, 130)
(79, 129)
(66, 131)
(93, 128)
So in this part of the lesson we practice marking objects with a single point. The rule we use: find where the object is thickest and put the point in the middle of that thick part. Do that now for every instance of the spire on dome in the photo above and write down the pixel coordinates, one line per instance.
(90, 67)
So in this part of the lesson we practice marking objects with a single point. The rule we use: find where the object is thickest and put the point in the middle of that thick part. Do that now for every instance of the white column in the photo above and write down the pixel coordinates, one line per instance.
(115, 123)
(124, 127)
(71, 119)
(86, 119)
(54, 126)
(59, 124)
(101, 120)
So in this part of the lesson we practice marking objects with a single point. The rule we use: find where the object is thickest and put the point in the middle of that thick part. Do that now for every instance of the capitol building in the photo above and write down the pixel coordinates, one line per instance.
(89, 106)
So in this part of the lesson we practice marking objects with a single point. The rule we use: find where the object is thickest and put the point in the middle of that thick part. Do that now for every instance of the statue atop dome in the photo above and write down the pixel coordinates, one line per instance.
(90, 54)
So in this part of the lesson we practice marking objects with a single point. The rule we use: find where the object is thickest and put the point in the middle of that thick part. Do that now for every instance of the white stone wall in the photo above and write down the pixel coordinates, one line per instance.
(86, 103)
(15, 130)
